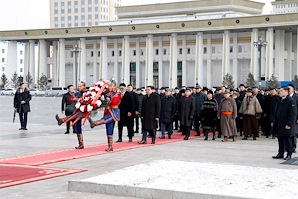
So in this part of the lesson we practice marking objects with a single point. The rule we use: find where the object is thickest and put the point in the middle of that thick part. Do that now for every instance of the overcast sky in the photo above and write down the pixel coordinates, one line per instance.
(32, 14)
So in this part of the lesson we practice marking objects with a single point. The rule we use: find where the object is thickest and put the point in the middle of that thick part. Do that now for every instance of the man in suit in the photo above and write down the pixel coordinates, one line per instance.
(135, 100)
(67, 105)
(295, 97)
(127, 109)
(140, 100)
(284, 123)
(21, 104)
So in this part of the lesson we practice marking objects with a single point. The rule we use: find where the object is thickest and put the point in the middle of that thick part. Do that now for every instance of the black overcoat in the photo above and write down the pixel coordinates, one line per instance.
(18, 97)
(187, 110)
(168, 109)
(286, 114)
(150, 111)
(126, 105)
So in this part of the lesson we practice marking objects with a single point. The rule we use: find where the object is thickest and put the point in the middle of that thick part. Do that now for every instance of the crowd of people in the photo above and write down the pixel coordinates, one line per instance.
(225, 113)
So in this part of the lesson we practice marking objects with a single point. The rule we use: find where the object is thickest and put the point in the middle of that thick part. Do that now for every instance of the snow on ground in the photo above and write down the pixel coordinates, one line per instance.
(207, 178)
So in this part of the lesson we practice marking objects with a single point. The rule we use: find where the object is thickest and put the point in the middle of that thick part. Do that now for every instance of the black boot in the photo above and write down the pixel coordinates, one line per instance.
(278, 156)
(213, 138)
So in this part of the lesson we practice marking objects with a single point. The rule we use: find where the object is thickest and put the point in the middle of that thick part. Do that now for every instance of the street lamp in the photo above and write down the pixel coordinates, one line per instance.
(259, 44)
(76, 50)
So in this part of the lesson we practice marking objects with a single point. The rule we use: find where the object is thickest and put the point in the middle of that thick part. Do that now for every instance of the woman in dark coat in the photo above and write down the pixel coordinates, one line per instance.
(209, 115)
(21, 104)
(284, 123)
(150, 114)
(186, 111)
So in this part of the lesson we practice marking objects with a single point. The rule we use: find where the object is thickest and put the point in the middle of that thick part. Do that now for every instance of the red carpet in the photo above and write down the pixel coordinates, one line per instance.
(12, 175)
(69, 154)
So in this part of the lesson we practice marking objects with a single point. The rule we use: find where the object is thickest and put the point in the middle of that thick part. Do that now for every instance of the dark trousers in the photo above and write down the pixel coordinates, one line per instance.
(166, 127)
(78, 127)
(176, 120)
(68, 123)
(152, 133)
(250, 125)
(23, 119)
(129, 131)
(285, 143)
(197, 124)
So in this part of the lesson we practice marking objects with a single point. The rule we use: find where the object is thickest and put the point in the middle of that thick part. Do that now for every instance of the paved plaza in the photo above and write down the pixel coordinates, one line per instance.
(44, 135)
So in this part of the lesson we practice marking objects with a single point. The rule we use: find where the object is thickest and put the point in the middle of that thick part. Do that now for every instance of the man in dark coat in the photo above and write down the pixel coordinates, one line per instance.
(135, 100)
(150, 114)
(21, 104)
(242, 92)
(200, 97)
(168, 110)
(177, 95)
(68, 105)
(186, 111)
(270, 104)
(218, 97)
(260, 97)
(127, 109)
(140, 100)
(295, 97)
(284, 123)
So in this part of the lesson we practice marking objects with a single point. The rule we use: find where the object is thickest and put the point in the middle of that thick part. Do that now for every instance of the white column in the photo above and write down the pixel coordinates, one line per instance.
(61, 64)
(184, 58)
(199, 59)
(125, 60)
(55, 64)
(95, 67)
(288, 62)
(26, 60)
(269, 53)
(138, 63)
(116, 68)
(279, 54)
(82, 65)
(160, 62)
(173, 61)
(31, 62)
(226, 53)
(209, 60)
(149, 61)
(42, 58)
(254, 63)
(12, 60)
(103, 58)
(235, 59)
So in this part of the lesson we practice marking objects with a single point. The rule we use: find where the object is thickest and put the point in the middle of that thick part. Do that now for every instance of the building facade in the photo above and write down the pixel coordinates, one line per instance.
(284, 6)
(81, 13)
(211, 39)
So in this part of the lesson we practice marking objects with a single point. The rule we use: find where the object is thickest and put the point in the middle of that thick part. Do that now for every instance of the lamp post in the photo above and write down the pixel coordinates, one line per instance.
(76, 50)
(259, 44)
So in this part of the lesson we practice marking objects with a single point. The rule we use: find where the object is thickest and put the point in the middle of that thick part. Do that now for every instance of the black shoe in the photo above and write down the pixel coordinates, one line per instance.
(245, 138)
(206, 138)
(162, 137)
(142, 142)
(186, 138)
(287, 158)
(169, 136)
(213, 138)
(197, 134)
(119, 140)
(66, 132)
(21, 128)
(219, 136)
(74, 132)
(254, 138)
(130, 140)
(153, 142)
(25, 129)
(278, 156)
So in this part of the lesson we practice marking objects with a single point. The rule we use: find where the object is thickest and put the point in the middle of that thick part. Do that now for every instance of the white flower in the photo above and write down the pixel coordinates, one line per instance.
(101, 83)
(82, 108)
(97, 89)
(89, 108)
(93, 94)
(98, 103)
(78, 104)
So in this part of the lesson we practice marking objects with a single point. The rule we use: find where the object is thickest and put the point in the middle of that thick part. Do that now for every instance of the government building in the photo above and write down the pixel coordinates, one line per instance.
(170, 44)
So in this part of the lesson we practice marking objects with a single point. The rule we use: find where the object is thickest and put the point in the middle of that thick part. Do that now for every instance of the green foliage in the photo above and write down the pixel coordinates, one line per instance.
(272, 82)
(228, 81)
(250, 81)
(4, 81)
(14, 80)
(43, 82)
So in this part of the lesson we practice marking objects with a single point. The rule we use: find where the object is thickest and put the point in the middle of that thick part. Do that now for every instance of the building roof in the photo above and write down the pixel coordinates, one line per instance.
(189, 8)
(281, 2)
